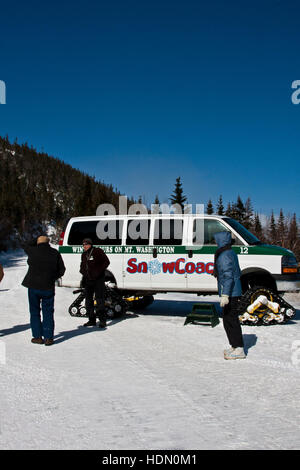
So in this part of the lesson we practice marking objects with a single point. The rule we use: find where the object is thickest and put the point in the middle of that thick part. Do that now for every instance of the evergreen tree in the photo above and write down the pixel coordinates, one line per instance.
(281, 229)
(232, 211)
(177, 197)
(271, 230)
(228, 211)
(248, 215)
(209, 207)
(293, 239)
(156, 204)
(240, 210)
(257, 227)
(220, 207)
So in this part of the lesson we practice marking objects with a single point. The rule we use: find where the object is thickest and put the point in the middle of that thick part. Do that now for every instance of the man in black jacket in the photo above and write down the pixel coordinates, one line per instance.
(93, 264)
(45, 267)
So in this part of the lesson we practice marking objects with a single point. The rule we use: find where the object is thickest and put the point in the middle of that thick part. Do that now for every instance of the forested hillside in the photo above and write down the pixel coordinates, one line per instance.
(37, 190)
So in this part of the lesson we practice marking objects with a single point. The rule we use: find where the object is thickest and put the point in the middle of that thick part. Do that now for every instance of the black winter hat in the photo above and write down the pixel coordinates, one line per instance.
(87, 240)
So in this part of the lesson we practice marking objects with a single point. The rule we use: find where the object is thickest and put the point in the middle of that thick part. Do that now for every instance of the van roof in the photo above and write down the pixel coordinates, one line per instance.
(120, 216)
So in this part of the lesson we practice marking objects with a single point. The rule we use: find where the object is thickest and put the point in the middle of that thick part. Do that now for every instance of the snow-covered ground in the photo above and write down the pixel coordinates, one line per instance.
(146, 382)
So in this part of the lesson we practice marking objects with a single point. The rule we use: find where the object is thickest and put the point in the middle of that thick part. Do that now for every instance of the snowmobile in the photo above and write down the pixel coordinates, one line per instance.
(262, 306)
(116, 304)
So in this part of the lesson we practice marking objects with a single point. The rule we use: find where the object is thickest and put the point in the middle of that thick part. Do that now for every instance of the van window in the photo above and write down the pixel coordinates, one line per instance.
(103, 232)
(248, 236)
(138, 232)
(168, 232)
(205, 233)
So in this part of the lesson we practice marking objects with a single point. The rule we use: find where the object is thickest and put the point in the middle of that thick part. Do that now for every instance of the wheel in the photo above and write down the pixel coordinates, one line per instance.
(266, 319)
(280, 318)
(118, 310)
(290, 313)
(73, 311)
(254, 320)
(82, 311)
(110, 313)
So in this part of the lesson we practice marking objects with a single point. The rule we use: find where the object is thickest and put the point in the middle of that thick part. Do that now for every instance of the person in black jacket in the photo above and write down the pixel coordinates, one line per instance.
(45, 267)
(93, 264)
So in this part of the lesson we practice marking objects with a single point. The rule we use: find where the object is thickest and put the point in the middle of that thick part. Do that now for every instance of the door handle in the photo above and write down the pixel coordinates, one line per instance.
(190, 253)
(154, 253)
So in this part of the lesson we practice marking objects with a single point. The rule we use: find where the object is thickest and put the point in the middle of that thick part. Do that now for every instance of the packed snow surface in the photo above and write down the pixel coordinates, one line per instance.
(146, 381)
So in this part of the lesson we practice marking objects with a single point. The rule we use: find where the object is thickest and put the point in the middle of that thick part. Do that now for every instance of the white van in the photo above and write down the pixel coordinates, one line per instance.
(162, 253)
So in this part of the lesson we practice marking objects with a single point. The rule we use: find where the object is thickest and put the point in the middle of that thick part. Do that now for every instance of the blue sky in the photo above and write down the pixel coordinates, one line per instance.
(138, 93)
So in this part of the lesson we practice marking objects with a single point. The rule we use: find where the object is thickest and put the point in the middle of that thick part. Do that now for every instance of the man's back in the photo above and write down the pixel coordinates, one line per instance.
(45, 266)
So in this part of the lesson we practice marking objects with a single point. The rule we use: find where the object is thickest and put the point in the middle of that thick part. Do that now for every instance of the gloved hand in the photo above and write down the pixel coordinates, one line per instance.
(224, 300)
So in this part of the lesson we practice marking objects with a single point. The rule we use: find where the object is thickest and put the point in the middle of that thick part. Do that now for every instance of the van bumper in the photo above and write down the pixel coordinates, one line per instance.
(288, 283)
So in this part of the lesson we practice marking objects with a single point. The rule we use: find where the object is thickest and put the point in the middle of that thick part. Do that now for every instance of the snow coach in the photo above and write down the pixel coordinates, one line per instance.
(160, 253)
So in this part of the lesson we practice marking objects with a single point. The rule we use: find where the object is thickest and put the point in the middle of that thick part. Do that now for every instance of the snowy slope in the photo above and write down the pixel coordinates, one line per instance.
(146, 382)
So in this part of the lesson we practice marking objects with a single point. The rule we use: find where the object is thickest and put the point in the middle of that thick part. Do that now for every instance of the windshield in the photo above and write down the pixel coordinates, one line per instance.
(241, 230)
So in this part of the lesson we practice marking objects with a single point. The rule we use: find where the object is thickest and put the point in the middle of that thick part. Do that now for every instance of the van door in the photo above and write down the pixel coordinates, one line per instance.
(167, 265)
(109, 233)
(201, 254)
(137, 254)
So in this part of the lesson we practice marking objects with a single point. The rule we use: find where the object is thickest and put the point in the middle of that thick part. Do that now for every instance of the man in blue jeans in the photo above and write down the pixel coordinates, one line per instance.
(45, 267)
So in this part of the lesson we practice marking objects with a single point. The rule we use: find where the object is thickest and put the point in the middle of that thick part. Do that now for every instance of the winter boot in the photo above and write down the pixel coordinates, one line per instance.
(48, 342)
(228, 351)
(37, 341)
(235, 353)
(90, 323)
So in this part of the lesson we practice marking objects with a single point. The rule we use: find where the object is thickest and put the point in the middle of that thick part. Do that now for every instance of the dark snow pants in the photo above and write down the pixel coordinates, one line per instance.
(96, 288)
(232, 324)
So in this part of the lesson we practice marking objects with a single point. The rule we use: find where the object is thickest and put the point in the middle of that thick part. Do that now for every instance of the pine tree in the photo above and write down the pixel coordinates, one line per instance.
(293, 239)
(281, 229)
(220, 207)
(156, 200)
(155, 207)
(177, 197)
(228, 211)
(271, 230)
(209, 207)
(248, 215)
(240, 210)
(233, 211)
(257, 227)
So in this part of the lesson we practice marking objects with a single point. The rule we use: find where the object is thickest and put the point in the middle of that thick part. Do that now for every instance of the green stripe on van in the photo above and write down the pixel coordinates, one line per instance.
(146, 249)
